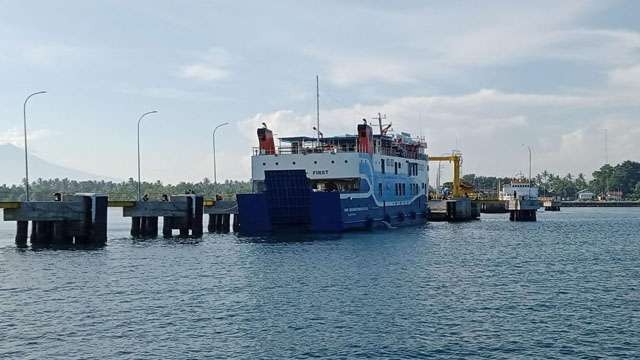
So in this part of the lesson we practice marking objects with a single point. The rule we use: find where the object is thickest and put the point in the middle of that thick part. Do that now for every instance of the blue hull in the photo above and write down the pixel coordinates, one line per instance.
(328, 213)
(289, 204)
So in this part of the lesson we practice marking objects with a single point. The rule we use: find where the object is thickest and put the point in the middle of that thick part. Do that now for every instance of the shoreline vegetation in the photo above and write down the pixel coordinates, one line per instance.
(622, 178)
(42, 190)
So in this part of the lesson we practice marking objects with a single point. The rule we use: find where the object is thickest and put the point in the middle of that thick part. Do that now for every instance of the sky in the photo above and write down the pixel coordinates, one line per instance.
(487, 78)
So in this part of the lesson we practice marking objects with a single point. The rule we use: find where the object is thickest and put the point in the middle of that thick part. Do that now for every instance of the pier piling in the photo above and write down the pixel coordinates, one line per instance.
(179, 212)
(222, 216)
(22, 233)
(236, 222)
(522, 215)
(523, 209)
(135, 226)
(60, 234)
(211, 226)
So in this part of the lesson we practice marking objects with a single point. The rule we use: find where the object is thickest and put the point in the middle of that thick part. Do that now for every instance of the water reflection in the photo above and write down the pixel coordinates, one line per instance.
(288, 237)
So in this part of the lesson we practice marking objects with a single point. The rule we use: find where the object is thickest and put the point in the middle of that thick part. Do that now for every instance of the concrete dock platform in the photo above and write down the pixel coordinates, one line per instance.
(454, 210)
(78, 220)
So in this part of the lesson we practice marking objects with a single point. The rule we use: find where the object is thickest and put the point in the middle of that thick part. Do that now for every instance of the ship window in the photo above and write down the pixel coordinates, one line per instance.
(315, 162)
(380, 189)
(264, 164)
(346, 161)
(333, 162)
(276, 164)
(396, 168)
(382, 165)
(294, 163)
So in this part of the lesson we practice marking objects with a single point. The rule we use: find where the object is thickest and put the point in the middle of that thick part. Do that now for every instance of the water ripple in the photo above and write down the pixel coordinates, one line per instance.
(564, 287)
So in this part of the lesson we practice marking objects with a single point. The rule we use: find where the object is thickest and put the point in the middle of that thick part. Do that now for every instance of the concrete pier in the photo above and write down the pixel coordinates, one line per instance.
(454, 210)
(600, 204)
(492, 206)
(550, 204)
(181, 212)
(523, 209)
(222, 216)
(78, 220)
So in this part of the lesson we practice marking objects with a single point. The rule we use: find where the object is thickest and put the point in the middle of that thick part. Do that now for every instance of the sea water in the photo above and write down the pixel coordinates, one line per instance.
(566, 286)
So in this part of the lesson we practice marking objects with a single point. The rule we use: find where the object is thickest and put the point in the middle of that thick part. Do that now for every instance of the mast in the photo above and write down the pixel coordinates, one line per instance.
(380, 123)
(317, 110)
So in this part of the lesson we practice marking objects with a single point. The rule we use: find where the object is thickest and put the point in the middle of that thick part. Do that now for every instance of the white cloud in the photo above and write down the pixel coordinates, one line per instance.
(59, 54)
(490, 34)
(48, 54)
(489, 127)
(606, 47)
(169, 93)
(583, 149)
(627, 77)
(212, 66)
(16, 136)
(354, 70)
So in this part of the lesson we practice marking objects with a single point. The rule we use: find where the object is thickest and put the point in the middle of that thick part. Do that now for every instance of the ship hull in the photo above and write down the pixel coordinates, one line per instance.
(289, 203)
(326, 212)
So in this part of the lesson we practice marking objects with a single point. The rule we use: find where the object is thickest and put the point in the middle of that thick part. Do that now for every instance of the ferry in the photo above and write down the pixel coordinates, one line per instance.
(521, 199)
(519, 189)
(337, 183)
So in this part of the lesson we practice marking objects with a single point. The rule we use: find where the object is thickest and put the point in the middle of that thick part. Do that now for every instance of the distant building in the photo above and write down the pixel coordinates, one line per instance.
(614, 195)
(585, 195)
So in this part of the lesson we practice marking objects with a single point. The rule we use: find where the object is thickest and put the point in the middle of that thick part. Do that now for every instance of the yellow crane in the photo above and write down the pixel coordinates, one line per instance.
(456, 159)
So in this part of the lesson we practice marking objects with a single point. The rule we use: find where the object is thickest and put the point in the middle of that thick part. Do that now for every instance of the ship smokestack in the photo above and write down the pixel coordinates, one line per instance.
(265, 141)
(365, 138)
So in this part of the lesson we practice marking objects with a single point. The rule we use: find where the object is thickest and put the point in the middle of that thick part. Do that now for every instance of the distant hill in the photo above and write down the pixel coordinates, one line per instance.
(12, 168)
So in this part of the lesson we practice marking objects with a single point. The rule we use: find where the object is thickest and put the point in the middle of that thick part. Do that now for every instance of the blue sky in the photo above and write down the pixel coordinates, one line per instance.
(485, 78)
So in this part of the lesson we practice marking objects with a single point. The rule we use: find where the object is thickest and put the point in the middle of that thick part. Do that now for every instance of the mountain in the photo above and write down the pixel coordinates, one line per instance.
(12, 168)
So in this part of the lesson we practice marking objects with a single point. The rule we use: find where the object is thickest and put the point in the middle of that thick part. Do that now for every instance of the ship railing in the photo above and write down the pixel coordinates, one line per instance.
(289, 150)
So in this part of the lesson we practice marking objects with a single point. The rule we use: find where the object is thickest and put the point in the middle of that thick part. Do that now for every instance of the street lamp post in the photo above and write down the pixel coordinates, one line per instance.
(139, 120)
(530, 184)
(215, 175)
(26, 157)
